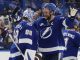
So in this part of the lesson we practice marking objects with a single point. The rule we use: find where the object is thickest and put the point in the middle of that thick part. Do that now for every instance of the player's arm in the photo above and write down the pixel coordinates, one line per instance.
(16, 32)
(69, 21)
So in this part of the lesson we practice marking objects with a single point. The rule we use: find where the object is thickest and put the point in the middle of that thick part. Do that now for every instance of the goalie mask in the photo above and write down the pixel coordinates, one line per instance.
(28, 13)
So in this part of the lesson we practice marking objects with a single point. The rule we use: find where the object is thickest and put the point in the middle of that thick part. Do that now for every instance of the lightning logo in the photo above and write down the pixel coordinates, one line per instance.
(46, 33)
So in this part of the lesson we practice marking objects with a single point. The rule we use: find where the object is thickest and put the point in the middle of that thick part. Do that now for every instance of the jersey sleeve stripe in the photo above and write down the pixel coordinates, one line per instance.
(25, 40)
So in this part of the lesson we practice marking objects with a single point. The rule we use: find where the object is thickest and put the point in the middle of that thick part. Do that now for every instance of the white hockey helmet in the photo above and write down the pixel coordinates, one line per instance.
(28, 13)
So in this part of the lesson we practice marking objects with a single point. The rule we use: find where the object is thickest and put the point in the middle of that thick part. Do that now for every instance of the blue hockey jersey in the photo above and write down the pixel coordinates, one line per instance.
(26, 34)
(72, 39)
(50, 34)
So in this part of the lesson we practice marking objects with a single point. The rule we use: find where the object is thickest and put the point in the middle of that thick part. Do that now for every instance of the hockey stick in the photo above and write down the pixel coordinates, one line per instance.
(16, 46)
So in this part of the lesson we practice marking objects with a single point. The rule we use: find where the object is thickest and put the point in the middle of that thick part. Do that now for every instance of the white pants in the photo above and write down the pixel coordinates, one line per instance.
(29, 54)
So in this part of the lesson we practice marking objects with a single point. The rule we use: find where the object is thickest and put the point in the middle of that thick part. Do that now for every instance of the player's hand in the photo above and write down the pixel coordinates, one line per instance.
(73, 11)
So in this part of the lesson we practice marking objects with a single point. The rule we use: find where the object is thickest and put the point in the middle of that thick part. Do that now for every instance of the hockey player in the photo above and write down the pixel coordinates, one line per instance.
(49, 26)
(72, 43)
(27, 40)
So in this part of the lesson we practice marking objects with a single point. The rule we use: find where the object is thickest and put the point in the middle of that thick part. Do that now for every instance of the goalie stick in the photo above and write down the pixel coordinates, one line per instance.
(17, 46)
